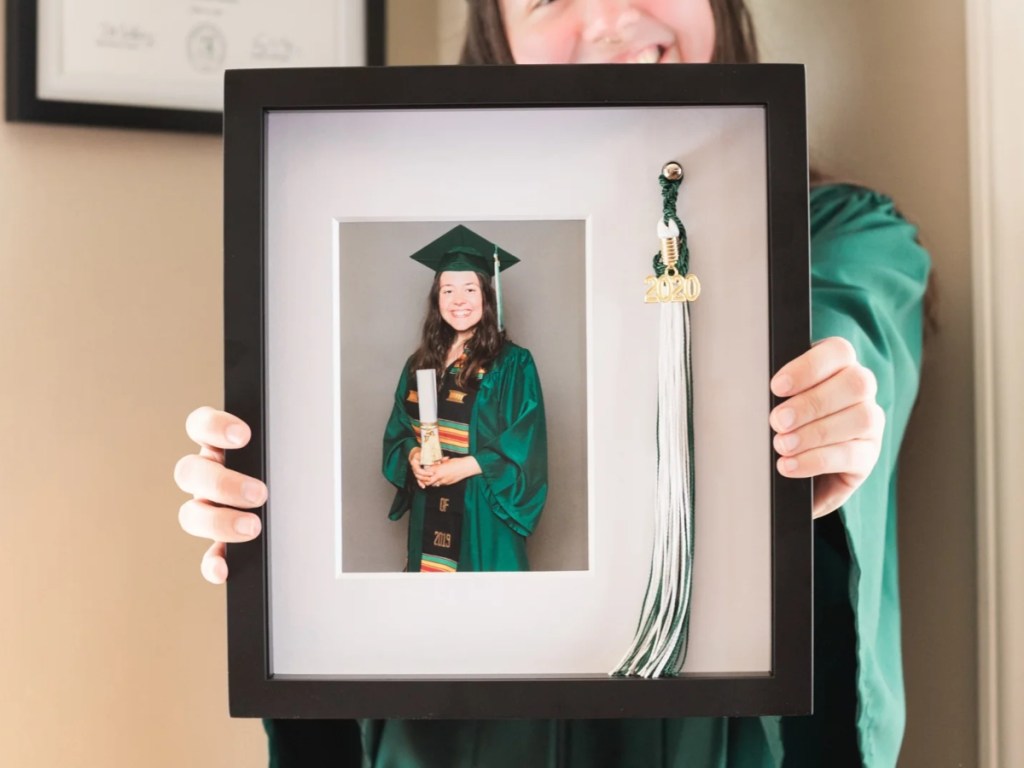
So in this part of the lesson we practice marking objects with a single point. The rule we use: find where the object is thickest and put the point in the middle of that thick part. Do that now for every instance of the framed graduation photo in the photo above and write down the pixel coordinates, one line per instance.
(504, 338)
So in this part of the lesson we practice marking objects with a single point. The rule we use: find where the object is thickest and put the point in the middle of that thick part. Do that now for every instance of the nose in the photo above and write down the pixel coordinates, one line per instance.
(607, 20)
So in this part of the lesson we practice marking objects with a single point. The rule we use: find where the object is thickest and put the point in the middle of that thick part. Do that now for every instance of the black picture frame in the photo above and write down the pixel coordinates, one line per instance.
(24, 105)
(250, 96)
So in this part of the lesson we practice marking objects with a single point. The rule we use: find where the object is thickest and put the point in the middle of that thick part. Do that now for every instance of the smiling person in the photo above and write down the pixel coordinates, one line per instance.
(473, 510)
(841, 421)
(608, 32)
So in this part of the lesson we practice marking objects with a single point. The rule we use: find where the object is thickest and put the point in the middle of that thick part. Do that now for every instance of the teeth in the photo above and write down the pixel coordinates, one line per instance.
(647, 55)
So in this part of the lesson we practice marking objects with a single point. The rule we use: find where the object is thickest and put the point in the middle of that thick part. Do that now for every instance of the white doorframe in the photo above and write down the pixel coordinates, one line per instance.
(995, 63)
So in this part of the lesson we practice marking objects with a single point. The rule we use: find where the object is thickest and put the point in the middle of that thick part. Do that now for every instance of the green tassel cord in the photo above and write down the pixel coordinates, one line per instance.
(669, 197)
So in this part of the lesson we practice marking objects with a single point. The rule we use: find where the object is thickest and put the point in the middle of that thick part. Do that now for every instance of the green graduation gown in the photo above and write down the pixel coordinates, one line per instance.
(868, 277)
(508, 439)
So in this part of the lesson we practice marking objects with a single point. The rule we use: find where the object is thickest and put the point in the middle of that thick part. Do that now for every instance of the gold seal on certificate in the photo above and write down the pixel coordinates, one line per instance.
(207, 47)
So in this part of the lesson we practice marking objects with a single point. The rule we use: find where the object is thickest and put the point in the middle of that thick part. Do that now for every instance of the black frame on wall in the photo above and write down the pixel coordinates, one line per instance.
(24, 105)
(250, 96)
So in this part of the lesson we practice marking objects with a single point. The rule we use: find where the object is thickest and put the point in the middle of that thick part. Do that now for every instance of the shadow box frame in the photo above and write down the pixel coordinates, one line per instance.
(408, 97)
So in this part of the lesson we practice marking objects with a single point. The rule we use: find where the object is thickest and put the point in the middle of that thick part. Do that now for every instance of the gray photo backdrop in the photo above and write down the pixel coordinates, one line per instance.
(383, 300)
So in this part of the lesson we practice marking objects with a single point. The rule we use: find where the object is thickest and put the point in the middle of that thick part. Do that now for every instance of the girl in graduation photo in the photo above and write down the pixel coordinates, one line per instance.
(472, 508)
(843, 410)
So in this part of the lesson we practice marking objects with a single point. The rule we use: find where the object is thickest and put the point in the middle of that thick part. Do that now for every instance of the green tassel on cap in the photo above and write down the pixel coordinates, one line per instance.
(497, 288)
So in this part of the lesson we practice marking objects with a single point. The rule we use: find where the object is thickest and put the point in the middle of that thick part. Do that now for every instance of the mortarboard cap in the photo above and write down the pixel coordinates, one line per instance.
(463, 250)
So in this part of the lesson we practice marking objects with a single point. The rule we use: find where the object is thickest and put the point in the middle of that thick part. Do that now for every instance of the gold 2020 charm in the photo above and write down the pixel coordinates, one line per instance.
(670, 286)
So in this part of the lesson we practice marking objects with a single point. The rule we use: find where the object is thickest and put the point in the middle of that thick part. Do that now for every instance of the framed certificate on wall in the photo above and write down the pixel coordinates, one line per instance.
(356, 199)
(161, 65)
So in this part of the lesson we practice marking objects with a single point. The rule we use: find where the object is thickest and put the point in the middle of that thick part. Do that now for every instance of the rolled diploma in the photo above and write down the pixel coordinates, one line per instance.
(426, 392)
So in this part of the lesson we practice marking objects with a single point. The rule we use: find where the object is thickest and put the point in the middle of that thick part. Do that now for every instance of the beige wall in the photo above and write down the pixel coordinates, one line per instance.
(412, 31)
(995, 61)
(110, 298)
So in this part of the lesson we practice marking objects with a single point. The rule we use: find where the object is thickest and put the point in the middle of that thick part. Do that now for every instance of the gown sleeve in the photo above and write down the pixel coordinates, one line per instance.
(398, 442)
(513, 455)
(868, 280)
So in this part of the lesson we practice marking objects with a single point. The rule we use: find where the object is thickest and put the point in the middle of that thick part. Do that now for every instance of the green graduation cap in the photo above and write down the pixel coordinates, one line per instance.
(462, 250)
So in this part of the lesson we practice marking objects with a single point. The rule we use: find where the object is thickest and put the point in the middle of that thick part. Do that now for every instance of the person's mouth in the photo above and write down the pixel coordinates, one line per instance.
(650, 54)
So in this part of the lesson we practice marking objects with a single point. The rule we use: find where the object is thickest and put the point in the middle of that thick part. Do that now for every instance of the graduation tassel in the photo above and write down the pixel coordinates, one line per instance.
(497, 289)
(659, 647)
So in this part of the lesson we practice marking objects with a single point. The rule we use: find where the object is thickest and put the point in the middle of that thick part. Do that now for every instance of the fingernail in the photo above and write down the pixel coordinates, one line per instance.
(790, 464)
(235, 434)
(788, 442)
(247, 525)
(252, 491)
(785, 418)
(782, 384)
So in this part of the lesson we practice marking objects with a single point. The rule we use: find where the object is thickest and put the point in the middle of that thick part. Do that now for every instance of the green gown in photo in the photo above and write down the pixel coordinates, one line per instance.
(508, 439)
(868, 278)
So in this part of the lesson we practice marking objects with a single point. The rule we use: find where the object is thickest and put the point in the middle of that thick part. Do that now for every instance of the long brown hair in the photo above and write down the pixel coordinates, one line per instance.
(437, 338)
(487, 43)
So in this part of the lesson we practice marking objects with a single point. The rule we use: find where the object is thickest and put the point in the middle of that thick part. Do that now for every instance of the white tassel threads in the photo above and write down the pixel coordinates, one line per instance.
(660, 643)
(659, 646)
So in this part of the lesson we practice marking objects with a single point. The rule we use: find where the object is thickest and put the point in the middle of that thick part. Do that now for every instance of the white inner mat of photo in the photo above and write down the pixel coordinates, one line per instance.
(599, 167)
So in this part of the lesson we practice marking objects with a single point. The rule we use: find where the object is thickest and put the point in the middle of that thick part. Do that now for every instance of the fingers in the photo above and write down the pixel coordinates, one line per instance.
(445, 474)
(214, 567)
(205, 477)
(830, 493)
(436, 475)
(861, 421)
(222, 524)
(217, 429)
(849, 386)
(209, 480)
(822, 361)
(422, 473)
(211, 453)
(830, 427)
(855, 458)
